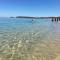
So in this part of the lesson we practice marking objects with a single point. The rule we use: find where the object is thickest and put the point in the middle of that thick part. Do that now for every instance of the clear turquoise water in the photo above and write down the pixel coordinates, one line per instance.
(22, 39)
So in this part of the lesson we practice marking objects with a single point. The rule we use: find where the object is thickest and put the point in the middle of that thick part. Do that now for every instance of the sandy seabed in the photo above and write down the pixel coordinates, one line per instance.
(29, 46)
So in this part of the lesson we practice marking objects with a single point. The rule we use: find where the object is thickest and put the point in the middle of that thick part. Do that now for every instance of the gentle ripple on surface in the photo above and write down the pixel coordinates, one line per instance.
(22, 39)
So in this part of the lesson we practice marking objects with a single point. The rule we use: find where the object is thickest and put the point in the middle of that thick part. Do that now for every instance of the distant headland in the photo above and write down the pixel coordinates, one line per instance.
(35, 17)
(54, 18)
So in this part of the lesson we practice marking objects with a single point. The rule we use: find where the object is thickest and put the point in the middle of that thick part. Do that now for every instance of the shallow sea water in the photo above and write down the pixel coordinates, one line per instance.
(22, 39)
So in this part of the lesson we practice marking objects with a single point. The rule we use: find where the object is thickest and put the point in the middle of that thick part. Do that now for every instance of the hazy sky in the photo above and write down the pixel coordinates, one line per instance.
(29, 8)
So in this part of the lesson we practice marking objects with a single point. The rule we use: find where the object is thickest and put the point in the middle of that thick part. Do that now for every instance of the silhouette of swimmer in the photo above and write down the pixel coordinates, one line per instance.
(32, 20)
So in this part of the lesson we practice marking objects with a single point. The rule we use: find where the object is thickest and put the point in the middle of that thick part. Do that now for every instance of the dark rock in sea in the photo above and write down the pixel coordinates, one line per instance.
(11, 17)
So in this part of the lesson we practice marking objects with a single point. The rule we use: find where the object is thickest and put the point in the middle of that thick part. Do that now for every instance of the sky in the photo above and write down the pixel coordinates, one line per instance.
(29, 8)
